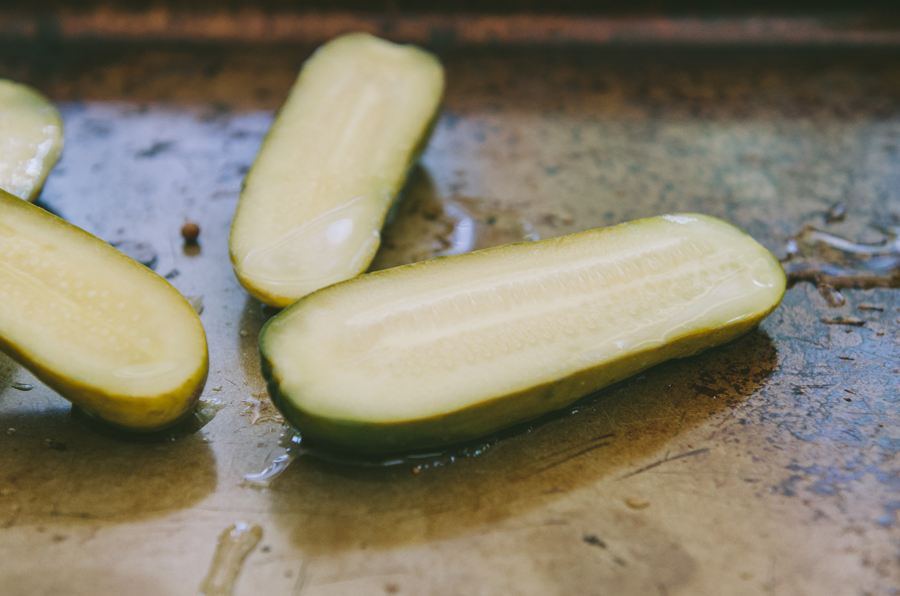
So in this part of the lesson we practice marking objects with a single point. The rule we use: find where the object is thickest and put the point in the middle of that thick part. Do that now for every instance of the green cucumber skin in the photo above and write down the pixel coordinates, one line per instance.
(498, 413)
(117, 410)
(487, 417)
(389, 210)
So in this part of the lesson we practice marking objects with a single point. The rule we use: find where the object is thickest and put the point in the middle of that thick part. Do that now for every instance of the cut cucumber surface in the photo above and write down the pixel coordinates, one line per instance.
(331, 165)
(31, 139)
(457, 347)
(99, 328)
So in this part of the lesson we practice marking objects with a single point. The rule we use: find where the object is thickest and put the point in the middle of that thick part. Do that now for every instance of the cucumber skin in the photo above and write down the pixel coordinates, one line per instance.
(122, 411)
(419, 147)
(491, 416)
(498, 413)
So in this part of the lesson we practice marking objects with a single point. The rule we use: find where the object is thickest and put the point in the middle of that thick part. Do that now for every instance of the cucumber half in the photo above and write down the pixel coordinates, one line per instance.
(31, 139)
(95, 326)
(454, 348)
(331, 165)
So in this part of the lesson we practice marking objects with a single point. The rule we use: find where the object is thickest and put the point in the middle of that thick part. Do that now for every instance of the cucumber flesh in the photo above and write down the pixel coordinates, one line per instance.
(31, 139)
(456, 347)
(331, 165)
(97, 327)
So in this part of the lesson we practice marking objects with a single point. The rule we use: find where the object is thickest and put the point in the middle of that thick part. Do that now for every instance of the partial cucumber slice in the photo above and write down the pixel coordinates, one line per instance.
(31, 139)
(331, 165)
(457, 347)
(99, 328)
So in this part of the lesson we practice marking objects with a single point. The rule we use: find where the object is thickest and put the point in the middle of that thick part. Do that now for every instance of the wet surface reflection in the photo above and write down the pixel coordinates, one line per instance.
(428, 225)
(346, 506)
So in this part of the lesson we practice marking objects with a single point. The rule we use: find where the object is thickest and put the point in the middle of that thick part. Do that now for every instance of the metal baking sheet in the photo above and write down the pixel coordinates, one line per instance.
(768, 466)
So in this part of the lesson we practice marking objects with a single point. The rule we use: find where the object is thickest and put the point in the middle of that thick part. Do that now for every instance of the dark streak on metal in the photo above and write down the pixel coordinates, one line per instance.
(155, 149)
(810, 342)
(592, 441)
(852, 321)
(665, 460)
(572, 456)
(870, 307)
(301, 579)
(680, 421)
(727, 418)
(890, 359)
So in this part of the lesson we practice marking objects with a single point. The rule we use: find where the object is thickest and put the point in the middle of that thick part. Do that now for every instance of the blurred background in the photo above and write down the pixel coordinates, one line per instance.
(446, 22)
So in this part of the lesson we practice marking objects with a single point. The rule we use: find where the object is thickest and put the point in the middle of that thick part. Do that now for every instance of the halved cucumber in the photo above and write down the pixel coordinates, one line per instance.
(31, 139)
(331, 166)
(99, 328)
(457, 347)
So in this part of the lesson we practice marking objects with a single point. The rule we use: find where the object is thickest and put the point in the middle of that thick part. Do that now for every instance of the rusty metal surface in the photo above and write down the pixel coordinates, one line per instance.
(768, 466)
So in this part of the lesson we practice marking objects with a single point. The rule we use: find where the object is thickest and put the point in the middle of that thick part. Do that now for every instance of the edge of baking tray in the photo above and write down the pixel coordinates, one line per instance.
(437, 29)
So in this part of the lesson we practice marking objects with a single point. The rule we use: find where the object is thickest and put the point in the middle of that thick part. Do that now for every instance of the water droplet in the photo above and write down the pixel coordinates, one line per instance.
(207, 410)
(836, 213)
(825, 259)
(232, 547)
(273, 470)
(832, 296)
(196, 303)
(55, 445)
(261, 410)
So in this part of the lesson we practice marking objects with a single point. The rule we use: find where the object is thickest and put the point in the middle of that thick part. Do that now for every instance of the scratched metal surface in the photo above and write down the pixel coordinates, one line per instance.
(768, 466)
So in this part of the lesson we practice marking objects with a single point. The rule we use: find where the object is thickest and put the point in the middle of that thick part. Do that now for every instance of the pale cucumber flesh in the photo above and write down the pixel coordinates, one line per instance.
(99, 328)
(457, 347)
(331, 165)
(31, 139)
